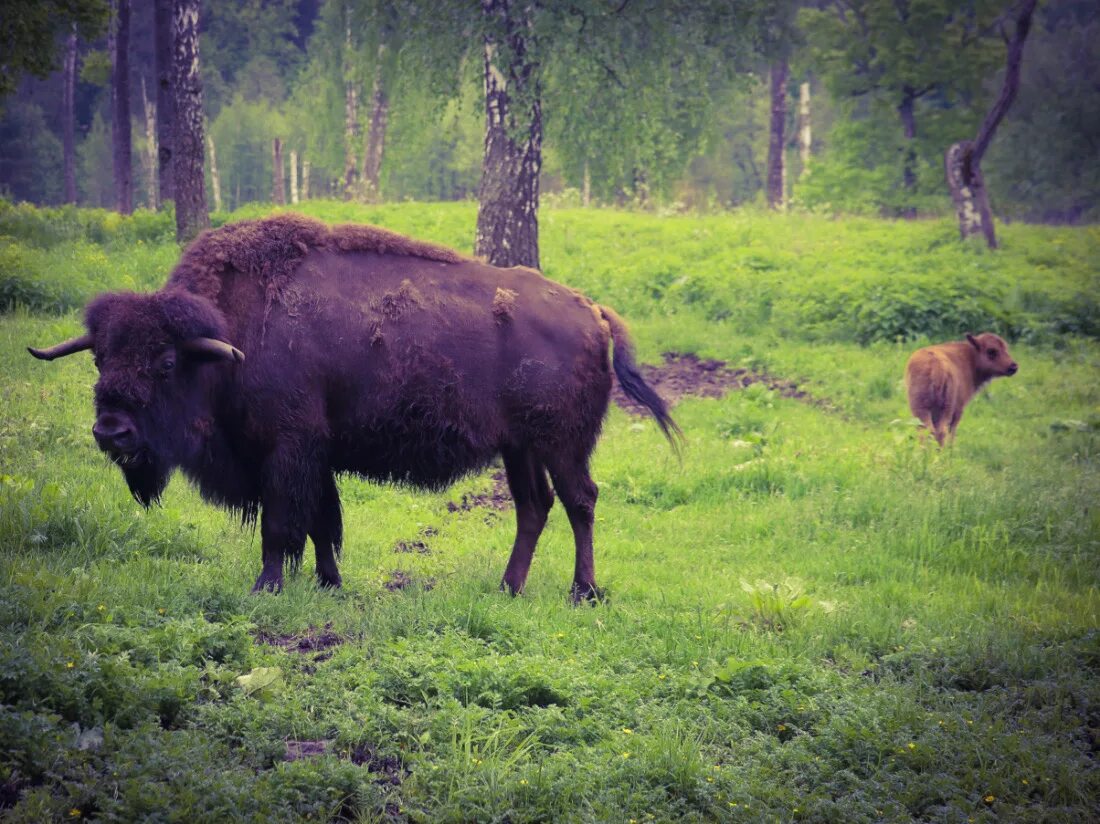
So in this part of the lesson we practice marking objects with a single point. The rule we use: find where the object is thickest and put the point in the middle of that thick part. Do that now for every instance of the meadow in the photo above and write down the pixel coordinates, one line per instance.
(810, 616)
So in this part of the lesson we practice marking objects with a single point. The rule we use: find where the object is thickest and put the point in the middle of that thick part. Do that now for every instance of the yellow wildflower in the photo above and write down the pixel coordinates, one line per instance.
(628, 731)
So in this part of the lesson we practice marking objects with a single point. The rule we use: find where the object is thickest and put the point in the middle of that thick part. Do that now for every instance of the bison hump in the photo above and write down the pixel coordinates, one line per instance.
(270, 249)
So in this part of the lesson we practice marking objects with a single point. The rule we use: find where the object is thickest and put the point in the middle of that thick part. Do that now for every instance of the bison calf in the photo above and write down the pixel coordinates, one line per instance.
(942, 379)
(367, 353)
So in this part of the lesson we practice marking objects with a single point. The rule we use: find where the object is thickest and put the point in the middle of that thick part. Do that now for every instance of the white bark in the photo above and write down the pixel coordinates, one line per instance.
(293, 177)
(215, 179)
(804, 132)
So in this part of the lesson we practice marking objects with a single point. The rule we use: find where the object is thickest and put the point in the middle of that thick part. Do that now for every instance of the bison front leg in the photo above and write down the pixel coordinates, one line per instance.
(289, 500)
(533, 498)
(326, 532)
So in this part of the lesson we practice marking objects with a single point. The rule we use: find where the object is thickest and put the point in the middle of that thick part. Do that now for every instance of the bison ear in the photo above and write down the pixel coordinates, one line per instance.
(213, 348)
(62, 349)
(973, 341)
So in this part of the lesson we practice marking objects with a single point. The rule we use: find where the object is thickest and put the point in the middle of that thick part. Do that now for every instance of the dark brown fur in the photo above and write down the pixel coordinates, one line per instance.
(366, 352)
(942, 379)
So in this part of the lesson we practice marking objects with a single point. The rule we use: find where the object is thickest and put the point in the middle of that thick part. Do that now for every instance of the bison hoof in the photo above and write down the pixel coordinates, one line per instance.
(586, 593)
(329, 581)
(268, 584)
(515, 590)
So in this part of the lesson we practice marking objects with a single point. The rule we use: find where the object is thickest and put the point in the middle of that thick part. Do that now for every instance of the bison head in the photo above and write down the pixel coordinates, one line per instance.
(992, 355)
(152, 396)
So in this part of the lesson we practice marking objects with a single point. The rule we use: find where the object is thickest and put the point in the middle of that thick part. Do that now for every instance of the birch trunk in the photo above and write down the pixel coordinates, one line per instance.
(305, 179)
(150, 163)
(293, 177)
(777, 138)
(586, 187)
(805, 136)
(507, 219)
(187, 144)
(376, 139)
(122, 148)
(278, 190)
(165, 97)
(68, 117)
(215, 177)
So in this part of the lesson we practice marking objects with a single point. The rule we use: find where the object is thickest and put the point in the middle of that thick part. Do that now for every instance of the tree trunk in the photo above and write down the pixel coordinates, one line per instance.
(165, 98)
(305, 179)
(68, 117)
(963, 159)
(376, 138)
(351, 112)
(909, 129)
(187, 145)
(278, 189)
(122, 150)
(507, 219)
(776, 137)
(804, 131)
(150, 163)
(293, 177)
(586, 187)
(215, 177)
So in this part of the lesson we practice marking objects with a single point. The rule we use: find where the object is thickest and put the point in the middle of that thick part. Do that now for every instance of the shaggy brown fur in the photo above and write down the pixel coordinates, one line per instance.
(281, 353)
(942, 379)
(272, 248)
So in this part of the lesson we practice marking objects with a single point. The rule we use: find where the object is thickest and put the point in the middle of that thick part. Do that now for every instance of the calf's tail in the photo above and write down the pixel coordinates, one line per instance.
(632, 382)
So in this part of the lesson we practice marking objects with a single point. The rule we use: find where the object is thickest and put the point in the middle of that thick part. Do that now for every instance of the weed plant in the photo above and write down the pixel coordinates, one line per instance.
(813, 616)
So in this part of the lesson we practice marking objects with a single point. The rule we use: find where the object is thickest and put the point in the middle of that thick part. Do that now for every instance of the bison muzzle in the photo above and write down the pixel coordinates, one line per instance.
(367, 353)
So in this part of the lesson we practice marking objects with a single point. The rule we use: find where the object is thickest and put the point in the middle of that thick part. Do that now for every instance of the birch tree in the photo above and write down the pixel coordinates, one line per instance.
(187, 154)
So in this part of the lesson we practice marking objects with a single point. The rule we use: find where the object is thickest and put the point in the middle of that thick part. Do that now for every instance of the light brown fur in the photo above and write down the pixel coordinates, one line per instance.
(942, 379)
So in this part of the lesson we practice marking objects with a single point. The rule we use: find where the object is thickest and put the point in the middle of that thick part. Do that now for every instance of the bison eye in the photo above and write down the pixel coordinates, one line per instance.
(167, 365)
(992, 353)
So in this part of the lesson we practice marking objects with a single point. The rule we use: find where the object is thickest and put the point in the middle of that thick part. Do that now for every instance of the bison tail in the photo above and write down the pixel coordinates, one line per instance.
(632, 382)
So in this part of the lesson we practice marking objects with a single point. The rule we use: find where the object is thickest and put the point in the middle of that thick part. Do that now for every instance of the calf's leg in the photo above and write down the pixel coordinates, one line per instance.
(533, 498)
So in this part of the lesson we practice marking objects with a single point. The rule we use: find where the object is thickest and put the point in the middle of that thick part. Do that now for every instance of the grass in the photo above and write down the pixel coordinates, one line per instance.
(812, 617)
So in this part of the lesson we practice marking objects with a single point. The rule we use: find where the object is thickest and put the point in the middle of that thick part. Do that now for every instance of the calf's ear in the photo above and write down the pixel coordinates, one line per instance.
(973, 341)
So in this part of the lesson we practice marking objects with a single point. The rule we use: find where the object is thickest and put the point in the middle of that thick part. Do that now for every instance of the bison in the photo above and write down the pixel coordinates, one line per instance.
(368, 353)
(942, 379)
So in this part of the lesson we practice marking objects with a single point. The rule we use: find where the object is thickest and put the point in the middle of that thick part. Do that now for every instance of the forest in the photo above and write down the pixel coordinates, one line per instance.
(649, 104)
(807, 611)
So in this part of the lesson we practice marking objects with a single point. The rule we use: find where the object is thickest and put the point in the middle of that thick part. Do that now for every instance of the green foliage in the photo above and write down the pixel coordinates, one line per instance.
(32, 29)
(915, 637)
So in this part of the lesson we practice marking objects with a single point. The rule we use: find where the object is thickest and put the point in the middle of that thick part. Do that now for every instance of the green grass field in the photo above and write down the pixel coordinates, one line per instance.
(811, 617)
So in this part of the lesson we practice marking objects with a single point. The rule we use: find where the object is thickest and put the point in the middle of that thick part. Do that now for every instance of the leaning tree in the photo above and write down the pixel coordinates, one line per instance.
(963, 159)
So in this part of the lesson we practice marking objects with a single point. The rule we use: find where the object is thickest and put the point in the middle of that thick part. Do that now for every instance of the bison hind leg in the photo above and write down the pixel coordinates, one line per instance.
(533, 498)
(578, 494)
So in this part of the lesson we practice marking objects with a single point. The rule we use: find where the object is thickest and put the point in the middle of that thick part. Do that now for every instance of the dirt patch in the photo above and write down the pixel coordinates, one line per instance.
(399, 580)
(297, 750)
(412, 547)
(312, 640)
(687, 375)
(498, 498)
(388, 768)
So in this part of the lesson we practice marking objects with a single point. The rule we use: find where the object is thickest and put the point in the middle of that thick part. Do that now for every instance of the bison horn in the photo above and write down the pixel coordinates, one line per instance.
(63, 349)
(215, 348)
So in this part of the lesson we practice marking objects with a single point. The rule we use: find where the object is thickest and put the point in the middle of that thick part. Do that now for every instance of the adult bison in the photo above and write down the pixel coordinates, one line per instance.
(368, 352)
